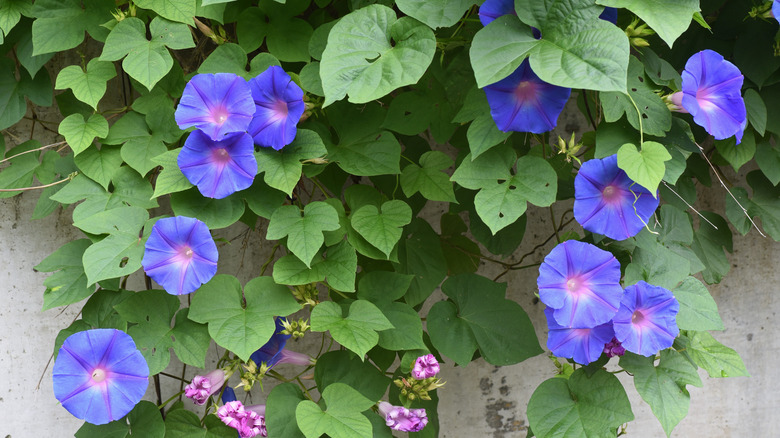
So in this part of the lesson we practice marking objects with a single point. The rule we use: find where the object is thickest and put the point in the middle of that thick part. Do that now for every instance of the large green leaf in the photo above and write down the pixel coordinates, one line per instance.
(241, 328)
(341, 419)
(80, 133)
(435, 13)
(345, 367)
(382, 227)
(280, 411)
(500, 327)
(100, 164)
(69, 284)
(698, 310)
(181, 423)
(577, 50)
(60, 24)
(174, 10)
(656, 117)
(717, 359)
(428, 178)
(383, 288)
(645, 167)
(580, 406)
(170, 179)
(663, 386)
(215, 213)
(358, 331)
(303, 232)
(479, 172)
(669, 18)
(503, 202)
(483, 134)
(12, 12)
(152, 312)
(115, 256)
(21, 169)
(737, 154)
(283, 168)
(421, 255)
(371, 53)
(88, 85)
(143, 421)
(377, 153)
(339, 267)
(708, 244)
(765, 203)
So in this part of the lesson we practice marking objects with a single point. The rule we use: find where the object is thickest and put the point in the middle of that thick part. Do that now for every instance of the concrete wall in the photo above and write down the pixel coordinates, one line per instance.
(478, 401)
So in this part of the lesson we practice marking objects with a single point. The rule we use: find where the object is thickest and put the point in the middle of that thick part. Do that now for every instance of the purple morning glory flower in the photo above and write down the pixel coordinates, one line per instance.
(609, 14)
(273, 352)
(400, 418)
(100, 375)
(218, 104)
(279, 106)
(582, 283)
(584, 345)
(425, 366)
(249, 421)
(180, 254)
(776, 10)
(219, 168)
(711, 93)
(492, 9)
(647, 319)
(522, 102)
(203, 387)
(608, 202)
(614, 348)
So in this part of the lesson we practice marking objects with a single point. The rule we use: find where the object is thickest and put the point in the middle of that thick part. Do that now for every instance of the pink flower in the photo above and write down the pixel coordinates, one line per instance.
(203, 387)
(400, 418)
(248, 421)
(425, 366)
(614, 348)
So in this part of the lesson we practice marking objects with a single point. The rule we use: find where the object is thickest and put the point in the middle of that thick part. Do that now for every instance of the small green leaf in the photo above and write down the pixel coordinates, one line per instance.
(645, 167)
(377, 153)
(764, 204)
(450, 334)
(174, 10)
(708, 244)
(756, 111)
(145, 61)
(583, 406)
(283, 168)
(240, 328)
(339, 267)
(303, 232)
(216, 213)
(117, 255)
(483, 134)
(698, 311)
(669, 18)
(345, 367)
(288, 40)
(362, 61)
(768, 159)
(88, 86)
(79, 133)
(69, 284)
(170, 179)
(358, 331)
(421, 255)
(435, 13)
(737, 154)
(382, 227)
(341, 419)
(60, 24)
(479, 172)
(499, 48)
(181, 423)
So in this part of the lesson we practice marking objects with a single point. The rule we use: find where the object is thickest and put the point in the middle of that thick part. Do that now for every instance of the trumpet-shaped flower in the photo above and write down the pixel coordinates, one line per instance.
(776, 10)
(584, 345)
(180, 254)
(711, 93)
(203, 387)
(248, 421)
(273, 352)
(582, 283)
(425, 367)
(492, 9)
(608, 202)
(219, 168)
(100, 375)
(402, 419)
(218, 104)
(279, 106)
(647, 319)
(522, 102)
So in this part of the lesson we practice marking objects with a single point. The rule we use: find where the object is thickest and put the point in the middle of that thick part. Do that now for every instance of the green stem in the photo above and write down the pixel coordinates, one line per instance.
(165, 403)
(639, 116)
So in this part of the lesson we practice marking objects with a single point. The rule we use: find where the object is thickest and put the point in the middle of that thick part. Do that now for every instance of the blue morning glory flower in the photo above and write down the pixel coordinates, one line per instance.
(279, 106)
(218, 104)
(711, 93)
(609, 14)
(608, 202)
(99, 375)
(776, 10)
(180, 254)
(582, 283)
(647, 320)
(492, 9)
(524, 103)
(584, 345)
(219, 168)
(273, 352)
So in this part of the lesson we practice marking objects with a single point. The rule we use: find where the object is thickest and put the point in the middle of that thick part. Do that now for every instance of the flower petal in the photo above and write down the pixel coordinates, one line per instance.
(492, 9)
(278, 108)
(218, 104)
(582, 345)
(218, 168)
(647, 319)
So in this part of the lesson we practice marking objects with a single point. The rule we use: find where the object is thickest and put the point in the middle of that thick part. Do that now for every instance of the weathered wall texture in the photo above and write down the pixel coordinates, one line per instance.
(478, 401)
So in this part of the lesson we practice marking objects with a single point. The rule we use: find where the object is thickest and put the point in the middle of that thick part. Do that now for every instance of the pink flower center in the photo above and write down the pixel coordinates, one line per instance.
(220, 115)
(98, 375)
(280, 110)
(637, 318)
(610, 194)
(185, 254)
(525, 91)
(221, 156)
(574, 285)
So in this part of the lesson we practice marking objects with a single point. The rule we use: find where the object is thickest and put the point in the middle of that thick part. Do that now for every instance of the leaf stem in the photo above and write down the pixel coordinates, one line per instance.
(24, 189)
(59, 143)
(639, 116)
